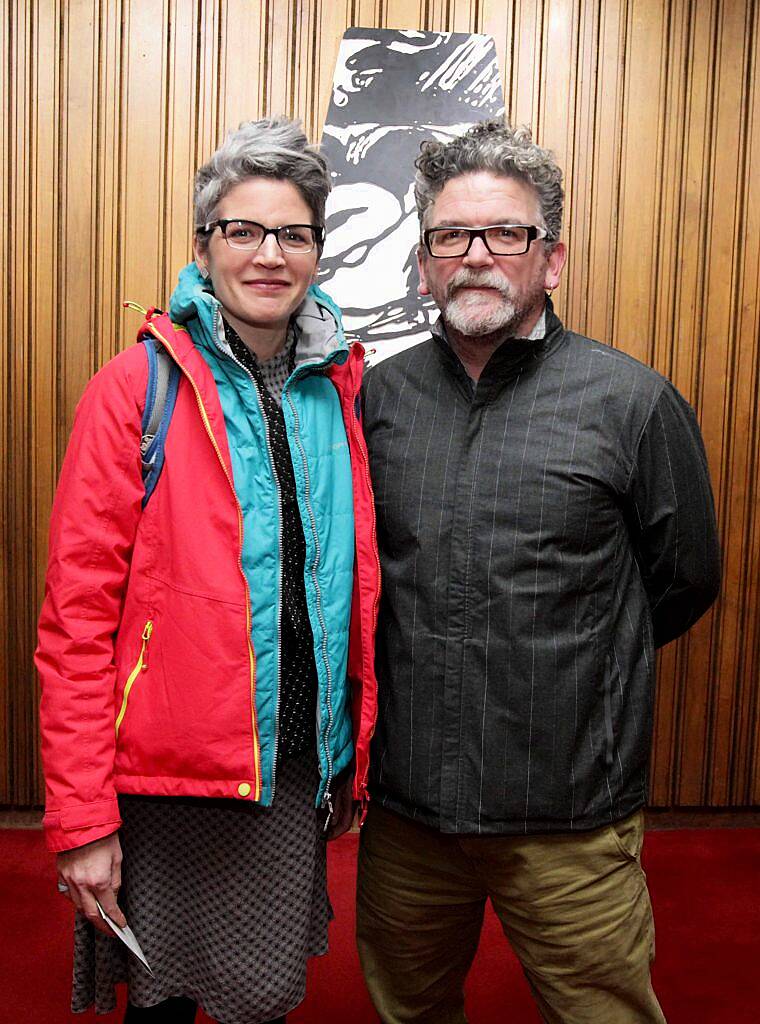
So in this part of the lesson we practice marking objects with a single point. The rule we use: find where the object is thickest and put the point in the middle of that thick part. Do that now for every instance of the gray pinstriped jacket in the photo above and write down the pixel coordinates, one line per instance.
(540, 535)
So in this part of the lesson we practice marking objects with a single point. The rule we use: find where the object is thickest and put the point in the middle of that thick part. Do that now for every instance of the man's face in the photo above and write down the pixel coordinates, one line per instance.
(479, 294)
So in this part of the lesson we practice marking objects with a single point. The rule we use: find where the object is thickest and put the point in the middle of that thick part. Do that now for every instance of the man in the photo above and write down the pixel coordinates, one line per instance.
(545, 521)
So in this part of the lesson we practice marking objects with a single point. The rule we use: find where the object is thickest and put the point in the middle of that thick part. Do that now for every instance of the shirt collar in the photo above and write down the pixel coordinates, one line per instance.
(539, 329)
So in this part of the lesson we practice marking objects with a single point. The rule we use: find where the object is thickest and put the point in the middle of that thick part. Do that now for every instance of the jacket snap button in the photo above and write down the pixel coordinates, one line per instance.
(244, 788)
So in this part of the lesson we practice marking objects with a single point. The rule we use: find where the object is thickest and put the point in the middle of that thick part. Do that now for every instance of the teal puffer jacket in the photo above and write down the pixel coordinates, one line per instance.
(322, 468)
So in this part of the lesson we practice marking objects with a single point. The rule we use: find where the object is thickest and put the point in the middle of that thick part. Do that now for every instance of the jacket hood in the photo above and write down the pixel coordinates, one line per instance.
(318, 323)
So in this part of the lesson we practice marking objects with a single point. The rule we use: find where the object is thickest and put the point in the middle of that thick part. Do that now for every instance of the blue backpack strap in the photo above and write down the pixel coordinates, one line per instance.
(160, 396)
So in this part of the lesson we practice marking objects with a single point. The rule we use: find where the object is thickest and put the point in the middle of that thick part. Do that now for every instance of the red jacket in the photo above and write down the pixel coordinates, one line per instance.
(110, 560)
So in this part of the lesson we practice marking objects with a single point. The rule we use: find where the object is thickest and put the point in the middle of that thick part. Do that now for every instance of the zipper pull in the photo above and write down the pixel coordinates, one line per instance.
(327, 799)
(134, 305)
(363, 805)
(145, 638)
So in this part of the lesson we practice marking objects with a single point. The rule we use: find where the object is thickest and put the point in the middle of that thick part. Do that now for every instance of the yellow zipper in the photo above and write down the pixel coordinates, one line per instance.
(251, 656)
(141, 666)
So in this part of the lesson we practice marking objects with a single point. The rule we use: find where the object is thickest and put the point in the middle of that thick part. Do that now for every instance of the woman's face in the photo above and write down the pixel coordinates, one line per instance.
(259, 289)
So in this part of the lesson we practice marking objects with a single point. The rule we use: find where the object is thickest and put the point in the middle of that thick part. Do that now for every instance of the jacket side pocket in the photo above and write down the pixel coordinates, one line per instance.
(141, 666)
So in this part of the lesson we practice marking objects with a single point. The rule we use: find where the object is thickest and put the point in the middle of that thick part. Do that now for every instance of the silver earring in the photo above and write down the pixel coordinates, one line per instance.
(204, 273)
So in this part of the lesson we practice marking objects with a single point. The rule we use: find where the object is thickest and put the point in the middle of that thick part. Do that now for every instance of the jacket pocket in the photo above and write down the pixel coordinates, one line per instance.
(141, 666)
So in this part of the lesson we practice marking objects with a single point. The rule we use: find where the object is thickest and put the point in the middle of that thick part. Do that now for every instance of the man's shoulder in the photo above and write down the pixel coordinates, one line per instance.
(399, 365)
(623, 370)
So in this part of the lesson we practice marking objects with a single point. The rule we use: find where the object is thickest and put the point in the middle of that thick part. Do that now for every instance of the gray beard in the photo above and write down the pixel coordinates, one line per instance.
(470, 322)
(473, 323)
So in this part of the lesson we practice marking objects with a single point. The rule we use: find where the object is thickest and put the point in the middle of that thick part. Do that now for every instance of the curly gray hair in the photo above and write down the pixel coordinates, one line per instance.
(492, 146)
(271, 148)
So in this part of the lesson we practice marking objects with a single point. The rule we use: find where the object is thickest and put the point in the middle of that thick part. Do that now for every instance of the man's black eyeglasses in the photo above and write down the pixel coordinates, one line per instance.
(500, 239)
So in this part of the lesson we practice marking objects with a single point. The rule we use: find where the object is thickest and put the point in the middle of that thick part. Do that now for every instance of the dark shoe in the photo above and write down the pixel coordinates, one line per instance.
(176, 1010)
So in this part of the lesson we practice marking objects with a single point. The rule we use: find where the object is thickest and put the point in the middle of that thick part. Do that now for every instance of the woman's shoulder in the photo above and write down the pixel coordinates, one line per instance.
(128, 368)
(119, 386)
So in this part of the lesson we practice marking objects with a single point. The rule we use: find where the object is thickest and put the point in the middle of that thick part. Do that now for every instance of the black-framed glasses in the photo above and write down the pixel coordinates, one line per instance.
(248, 234)
(500, 239)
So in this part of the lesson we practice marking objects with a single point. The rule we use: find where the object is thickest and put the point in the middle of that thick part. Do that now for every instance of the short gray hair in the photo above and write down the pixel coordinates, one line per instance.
(496, 147)
(272, 148)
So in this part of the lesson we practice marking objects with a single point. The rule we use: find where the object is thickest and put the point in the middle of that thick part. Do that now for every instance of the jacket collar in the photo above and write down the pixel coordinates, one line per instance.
(511, 357)
(317, 321)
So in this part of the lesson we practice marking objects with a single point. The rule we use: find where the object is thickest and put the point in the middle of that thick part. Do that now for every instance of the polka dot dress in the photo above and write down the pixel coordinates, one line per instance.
(227, 900)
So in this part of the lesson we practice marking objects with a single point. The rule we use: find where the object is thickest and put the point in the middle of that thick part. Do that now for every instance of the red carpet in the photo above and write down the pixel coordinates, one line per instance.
(705, 888)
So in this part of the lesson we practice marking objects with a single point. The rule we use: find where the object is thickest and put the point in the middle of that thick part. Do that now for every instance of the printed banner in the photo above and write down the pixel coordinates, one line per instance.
(392, 90)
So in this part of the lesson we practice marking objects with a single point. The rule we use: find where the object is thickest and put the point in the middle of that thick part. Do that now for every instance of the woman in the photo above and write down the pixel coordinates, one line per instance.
(195, 653)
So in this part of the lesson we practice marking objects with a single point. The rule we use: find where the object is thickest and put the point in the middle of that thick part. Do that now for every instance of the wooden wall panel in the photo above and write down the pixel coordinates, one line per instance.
(745, 774)
(19, 559)
(728, 411)
(44, 339)
(244, 67)
(108, 153)
(652, 108)
(6, 510)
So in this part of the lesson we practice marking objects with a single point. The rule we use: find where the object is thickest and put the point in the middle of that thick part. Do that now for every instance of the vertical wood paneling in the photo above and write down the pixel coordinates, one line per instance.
(523, 98)
(555, 114)
(19, 387)
(465, 16)
(745, 773)
(106, 311)
(639, 180)
(43, 294)
(78, 197)
(281, 26)
(335, 19)
(7, 683)
(242, 62)
(434, 17)
(142, 186)
(579, 170)
(600, 298)
(407, 14)
(682, 705)
(180, 155)
(496, 21)
(370, 12)
(666, 234)
(725, 409)
(206, 111)
(652, 108)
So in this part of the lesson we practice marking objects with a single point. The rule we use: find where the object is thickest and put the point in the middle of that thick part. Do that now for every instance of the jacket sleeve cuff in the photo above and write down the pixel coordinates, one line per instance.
(70, 827)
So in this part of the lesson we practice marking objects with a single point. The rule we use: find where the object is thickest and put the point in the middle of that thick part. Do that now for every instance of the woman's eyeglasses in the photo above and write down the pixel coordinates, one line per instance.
(247, 234)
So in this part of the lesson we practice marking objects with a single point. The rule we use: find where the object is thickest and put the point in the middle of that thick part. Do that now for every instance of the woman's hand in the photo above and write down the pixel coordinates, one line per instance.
(344, 809)
(93, 872)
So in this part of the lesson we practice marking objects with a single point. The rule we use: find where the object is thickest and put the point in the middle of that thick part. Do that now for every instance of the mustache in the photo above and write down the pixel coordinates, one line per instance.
(466, 278)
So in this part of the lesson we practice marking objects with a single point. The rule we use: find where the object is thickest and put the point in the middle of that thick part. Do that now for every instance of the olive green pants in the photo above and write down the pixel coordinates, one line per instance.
(575, 909)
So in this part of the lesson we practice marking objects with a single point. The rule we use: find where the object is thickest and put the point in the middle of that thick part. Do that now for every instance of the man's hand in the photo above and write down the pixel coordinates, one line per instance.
(93, 872)
(344, 809)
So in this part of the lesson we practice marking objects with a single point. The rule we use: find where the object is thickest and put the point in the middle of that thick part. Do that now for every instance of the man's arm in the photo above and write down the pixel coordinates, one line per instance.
(671, 516)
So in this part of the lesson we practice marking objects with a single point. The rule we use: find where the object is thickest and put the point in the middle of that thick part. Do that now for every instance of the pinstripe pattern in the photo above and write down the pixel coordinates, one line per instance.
(539, 535)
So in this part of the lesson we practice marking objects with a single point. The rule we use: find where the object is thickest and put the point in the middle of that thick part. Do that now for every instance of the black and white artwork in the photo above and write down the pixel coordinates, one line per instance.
(392, 90)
